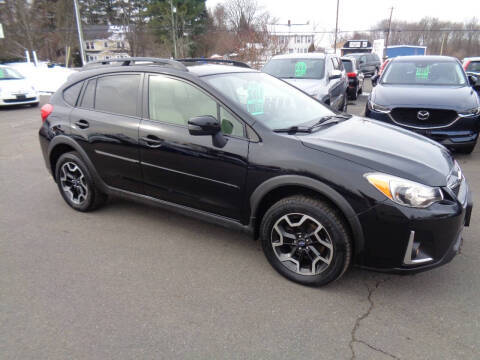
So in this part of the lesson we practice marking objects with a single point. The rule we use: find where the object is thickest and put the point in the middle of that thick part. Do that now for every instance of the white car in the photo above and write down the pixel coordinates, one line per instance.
(15, 89)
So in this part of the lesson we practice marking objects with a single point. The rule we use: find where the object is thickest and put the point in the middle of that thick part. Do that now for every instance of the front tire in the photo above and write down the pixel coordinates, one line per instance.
(76, 184)
(306, 240)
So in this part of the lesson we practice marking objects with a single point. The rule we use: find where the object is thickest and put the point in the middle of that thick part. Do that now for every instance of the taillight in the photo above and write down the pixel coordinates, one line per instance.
(46, 110)
(466, 65)
(352, 75)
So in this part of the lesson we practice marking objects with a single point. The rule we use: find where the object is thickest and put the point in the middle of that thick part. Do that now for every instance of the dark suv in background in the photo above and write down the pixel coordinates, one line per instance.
(368, 63)
(241, 148)
(319, 75)
(430, 95)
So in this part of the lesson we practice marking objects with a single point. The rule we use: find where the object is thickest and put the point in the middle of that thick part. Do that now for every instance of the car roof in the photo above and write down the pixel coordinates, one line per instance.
(301, 56)
(474, 58)
(347, 58)
(427, 58)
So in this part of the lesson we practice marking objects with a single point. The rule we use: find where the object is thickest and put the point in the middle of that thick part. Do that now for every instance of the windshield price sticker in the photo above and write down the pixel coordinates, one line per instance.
(255, 99)
(300, 69)
(423, 72)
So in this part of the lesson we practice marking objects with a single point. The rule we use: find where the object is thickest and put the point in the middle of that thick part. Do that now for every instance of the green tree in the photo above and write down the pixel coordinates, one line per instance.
(190, 19)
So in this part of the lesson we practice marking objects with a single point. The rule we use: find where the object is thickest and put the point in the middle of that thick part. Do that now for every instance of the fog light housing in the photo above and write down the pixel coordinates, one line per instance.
(413, 253)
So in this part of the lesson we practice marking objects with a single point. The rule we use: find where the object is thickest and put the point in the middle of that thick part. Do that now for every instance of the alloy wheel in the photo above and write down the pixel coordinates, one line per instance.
(302, 244)
(73, 183)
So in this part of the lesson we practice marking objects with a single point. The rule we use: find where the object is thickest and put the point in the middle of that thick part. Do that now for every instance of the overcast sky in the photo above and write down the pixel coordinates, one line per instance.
(362, 14)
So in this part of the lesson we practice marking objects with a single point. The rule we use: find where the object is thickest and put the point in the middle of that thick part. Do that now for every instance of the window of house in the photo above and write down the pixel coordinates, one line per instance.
(118, 94)
(105, 44)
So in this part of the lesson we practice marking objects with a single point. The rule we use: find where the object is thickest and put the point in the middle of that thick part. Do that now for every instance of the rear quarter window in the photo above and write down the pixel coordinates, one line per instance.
(70, 94)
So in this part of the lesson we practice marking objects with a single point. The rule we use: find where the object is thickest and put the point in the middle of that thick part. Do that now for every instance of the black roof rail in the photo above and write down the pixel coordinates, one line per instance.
(133, 60)
(214, 61)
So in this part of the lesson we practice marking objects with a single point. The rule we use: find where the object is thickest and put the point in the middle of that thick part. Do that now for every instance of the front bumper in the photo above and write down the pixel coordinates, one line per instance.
(437, 232)
(462, 133)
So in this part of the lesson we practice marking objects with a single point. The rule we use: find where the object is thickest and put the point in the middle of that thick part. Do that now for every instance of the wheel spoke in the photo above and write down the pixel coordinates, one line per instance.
(318, 256)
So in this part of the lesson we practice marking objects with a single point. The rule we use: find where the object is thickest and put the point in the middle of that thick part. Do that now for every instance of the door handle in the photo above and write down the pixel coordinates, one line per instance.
(152, 141)
(82, 124)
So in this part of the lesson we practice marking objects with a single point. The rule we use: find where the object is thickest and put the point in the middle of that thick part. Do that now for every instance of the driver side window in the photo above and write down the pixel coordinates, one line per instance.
(174, 101)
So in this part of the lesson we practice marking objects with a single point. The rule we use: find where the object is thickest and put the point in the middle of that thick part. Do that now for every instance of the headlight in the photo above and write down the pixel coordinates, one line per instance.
(405, 192)
(470, 112)
(378, 108)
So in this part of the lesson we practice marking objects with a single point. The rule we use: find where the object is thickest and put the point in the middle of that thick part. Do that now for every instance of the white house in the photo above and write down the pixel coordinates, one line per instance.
(292, 38)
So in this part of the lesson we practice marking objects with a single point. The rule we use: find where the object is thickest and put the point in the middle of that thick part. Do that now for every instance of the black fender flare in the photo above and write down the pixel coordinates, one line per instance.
(315, 185)
(66, 140)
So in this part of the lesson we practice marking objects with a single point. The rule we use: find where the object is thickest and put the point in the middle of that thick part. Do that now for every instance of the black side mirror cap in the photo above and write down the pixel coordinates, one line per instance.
(203, 125)
(374, 79)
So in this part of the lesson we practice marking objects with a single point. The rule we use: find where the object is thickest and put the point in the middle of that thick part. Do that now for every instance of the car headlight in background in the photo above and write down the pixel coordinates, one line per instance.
(470, 112)
(405, 192)
(378, 108)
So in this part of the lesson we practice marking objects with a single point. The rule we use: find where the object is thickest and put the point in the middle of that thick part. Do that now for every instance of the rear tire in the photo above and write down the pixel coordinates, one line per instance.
(345, 103)
(76, 184)
(306, 240)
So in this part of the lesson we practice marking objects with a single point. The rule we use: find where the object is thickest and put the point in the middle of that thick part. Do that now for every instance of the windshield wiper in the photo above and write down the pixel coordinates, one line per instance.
(294, 129)
(330, 119)
(324, 120)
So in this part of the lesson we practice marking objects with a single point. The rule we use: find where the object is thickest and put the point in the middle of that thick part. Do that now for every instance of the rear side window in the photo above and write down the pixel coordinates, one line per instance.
(70, 95)
(117, 94)
(88, 95)
(347, 64)
(474, 66)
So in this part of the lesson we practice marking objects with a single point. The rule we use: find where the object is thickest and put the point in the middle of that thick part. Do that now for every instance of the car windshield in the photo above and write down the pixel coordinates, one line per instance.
(296, 68)
(271, 101)
(347, 64)
(7, 73)
(474, 66)
(424, 73)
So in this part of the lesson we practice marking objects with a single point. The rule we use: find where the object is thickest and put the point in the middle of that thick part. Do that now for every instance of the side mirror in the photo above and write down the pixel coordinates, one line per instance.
(374, 79)
(203, 125)
(335, 74)
(472, 79)
(361, 62)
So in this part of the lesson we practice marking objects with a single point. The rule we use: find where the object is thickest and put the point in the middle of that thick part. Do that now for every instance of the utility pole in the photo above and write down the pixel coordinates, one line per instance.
(389, 28)
(174, 35)
(443, 43)
(79, 29)
(336, 30)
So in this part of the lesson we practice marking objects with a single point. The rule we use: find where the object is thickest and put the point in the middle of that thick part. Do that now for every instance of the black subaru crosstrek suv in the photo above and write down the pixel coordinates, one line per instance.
(430, 95)
(228, 144)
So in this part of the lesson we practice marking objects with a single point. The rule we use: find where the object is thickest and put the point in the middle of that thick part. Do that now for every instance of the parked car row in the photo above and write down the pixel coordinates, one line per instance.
(321, 189)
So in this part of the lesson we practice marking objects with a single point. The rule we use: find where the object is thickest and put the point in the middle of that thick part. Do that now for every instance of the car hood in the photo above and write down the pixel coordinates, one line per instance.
(17, 85)
(384, 148)
(310, 86)
(442, 97)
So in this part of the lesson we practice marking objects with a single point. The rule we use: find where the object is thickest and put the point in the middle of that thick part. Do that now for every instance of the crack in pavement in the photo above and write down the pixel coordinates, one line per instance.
(364, 316)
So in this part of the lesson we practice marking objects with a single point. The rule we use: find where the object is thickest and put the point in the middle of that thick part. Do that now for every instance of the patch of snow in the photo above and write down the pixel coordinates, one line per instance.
(44, 79)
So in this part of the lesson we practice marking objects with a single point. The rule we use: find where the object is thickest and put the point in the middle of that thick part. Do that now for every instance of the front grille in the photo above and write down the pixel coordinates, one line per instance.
(18, 100)
(436, 117)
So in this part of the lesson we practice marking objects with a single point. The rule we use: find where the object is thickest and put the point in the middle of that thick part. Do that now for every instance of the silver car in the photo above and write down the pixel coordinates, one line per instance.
(320, 75)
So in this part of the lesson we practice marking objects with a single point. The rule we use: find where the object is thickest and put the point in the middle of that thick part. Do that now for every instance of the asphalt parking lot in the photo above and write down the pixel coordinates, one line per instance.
(136, 282)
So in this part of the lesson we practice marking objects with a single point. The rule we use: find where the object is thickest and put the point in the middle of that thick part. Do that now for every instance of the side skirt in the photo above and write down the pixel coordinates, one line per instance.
(181, 209)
